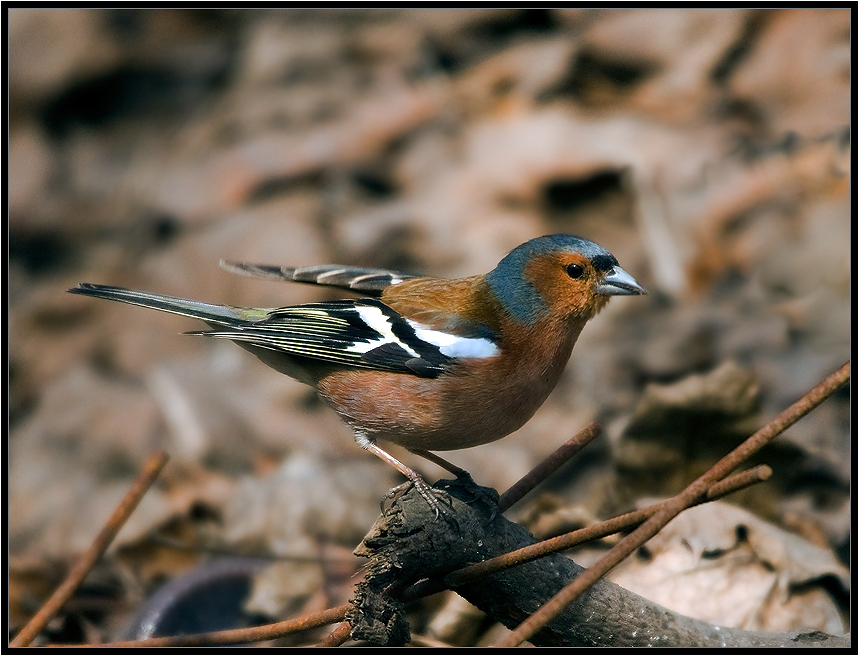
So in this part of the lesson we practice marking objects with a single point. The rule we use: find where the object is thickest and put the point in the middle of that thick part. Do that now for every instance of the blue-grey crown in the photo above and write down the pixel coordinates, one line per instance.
(508, 280)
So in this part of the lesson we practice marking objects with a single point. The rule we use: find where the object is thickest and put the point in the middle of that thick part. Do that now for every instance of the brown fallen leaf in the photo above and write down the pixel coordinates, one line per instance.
(722, 564)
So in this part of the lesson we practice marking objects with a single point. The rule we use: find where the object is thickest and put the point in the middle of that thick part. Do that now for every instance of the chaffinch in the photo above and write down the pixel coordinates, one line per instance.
(427, 363)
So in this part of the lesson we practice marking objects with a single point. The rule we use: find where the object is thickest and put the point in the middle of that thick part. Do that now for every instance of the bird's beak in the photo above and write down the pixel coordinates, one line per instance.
(618, 282)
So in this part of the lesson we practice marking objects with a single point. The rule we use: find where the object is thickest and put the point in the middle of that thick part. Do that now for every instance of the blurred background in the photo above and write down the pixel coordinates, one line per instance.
(707, 149)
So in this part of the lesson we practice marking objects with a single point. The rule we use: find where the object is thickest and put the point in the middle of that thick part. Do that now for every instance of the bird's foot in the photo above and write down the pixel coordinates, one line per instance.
(426, 492)
(486, 495)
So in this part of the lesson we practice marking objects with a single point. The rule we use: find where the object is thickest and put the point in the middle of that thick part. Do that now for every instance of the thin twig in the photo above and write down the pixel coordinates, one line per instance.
(568, 540)
(338, 636)
(238, 636)
(736, 482)
(674, 506)
(96, 550)
(542, 471)
(601, 530)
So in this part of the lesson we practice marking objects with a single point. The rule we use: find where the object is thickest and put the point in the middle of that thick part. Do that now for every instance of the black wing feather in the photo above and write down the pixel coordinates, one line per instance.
(336, 332)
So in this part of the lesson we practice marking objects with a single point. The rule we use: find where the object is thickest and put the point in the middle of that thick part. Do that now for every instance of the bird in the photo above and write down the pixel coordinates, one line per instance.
(430, 364)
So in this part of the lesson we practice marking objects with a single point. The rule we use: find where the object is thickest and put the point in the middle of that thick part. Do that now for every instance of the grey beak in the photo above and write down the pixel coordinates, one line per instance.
(618, 282)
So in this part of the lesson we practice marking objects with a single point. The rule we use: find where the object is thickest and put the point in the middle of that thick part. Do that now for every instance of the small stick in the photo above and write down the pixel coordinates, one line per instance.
(674, 506)
(568, 540)
(609, 527)
(735, 482)
(341, 633)
(542, 471)
(95, 551)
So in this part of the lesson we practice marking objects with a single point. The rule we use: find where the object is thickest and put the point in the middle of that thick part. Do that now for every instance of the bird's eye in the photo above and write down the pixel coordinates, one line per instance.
(575, 270)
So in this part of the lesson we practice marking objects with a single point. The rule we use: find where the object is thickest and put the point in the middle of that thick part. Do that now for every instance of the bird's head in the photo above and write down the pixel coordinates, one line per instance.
(558, 275)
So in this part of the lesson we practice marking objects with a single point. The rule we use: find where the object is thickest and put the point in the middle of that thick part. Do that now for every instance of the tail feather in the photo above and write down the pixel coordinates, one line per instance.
(217, 315)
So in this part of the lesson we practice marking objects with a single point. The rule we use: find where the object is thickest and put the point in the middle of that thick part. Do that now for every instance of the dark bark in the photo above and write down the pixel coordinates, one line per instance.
(408, 543)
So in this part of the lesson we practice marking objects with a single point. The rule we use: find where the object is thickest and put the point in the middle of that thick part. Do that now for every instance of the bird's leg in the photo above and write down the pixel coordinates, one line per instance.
(444, 464)
(463, 476)
(420, 484)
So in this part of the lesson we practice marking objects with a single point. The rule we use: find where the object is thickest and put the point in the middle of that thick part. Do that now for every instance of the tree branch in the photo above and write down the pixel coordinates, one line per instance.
(407, 544)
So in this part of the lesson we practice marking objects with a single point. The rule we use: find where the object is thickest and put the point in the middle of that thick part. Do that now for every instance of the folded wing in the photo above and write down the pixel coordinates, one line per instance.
(362, 333)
